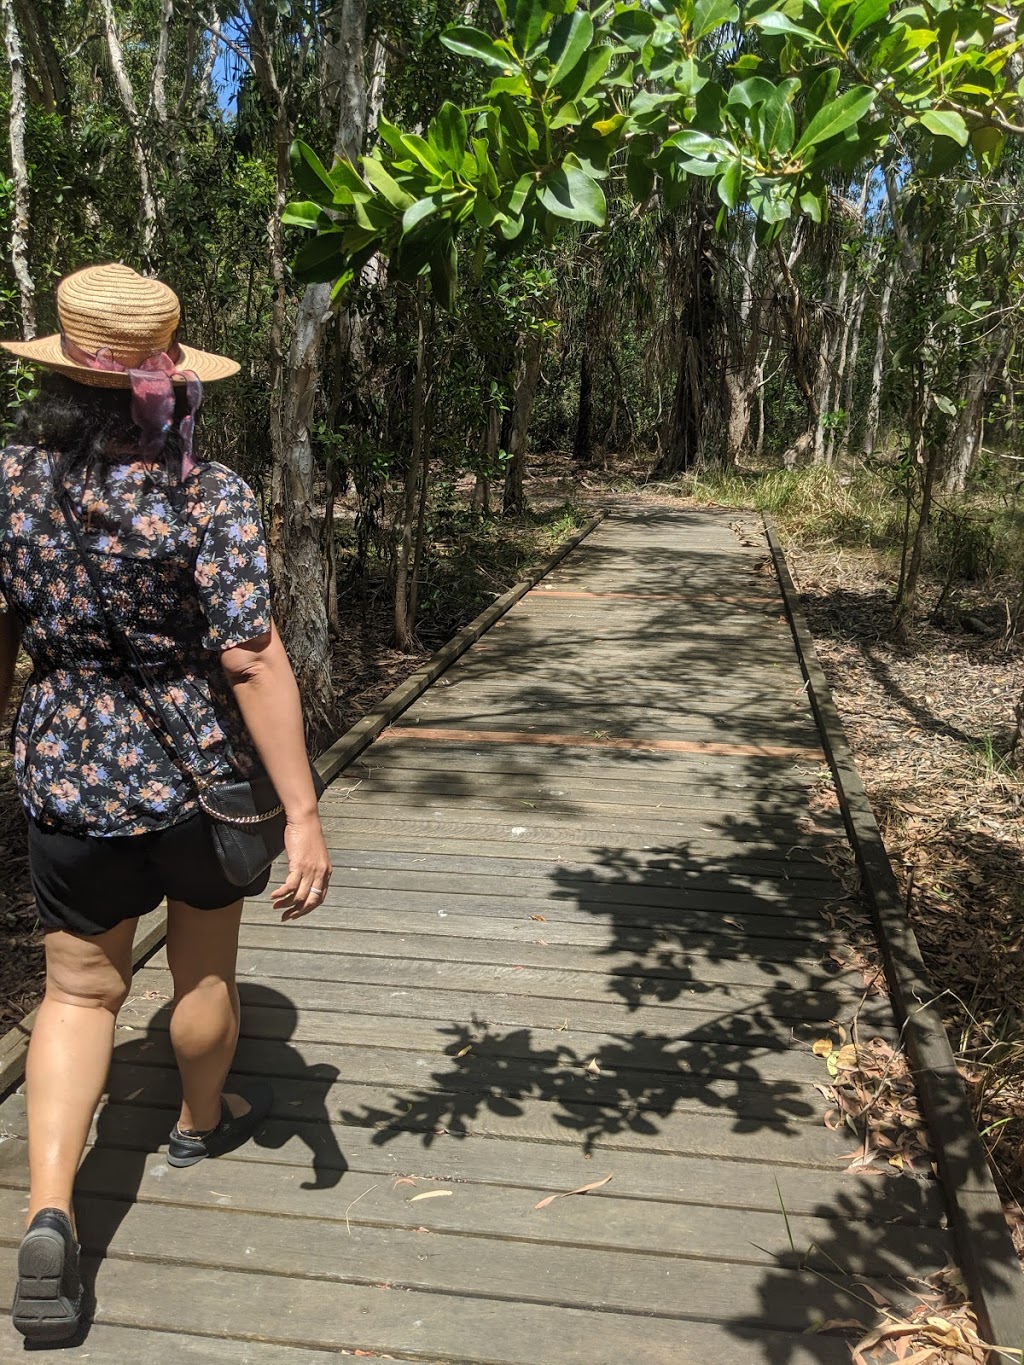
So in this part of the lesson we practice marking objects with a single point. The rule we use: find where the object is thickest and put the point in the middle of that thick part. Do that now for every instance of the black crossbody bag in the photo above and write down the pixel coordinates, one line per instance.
(246, 818)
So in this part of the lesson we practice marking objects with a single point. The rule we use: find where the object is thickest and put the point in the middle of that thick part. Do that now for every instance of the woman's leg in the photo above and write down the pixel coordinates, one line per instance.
(202, 946)
(87, 981)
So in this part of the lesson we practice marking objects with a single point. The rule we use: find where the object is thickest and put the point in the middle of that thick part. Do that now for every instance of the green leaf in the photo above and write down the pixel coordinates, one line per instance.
(639, 171)
(586, 74)
(447, 135)
(754, 90)
(320, 260)
(813, 205)
(777, 121)
(944, 404)
(470, 42)
(349, 186)
(419, 212)
(385, 184)
(633, 27)
(309, 174)
(444, 273)
(868, 12)
(837, 116)
(946, 123)
(570, 39)
(774, 21)
(571, 193)
(529, 19)
(304, 213)
(730, 186)
(566, 116)
(711, 14)
(519, 194)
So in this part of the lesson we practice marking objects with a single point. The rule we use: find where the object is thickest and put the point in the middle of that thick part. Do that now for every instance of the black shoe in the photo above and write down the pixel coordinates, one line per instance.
(48, 1299)
(185, 1149)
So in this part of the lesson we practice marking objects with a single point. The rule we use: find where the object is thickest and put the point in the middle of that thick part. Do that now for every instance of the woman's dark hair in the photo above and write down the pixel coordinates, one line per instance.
(84, 425)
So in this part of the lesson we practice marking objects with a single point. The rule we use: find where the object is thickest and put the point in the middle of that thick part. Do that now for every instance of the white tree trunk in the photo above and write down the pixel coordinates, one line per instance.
(205, 85)
(159, 93)
(296, 557)
(877, 368)
(21, 221)
(849, 372)
(131, 109)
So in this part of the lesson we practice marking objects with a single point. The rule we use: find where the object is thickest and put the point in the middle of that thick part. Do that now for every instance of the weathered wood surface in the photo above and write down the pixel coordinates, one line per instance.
(575, 929)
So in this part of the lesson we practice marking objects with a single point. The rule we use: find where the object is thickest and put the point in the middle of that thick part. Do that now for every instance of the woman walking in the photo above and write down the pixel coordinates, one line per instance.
(135, 578)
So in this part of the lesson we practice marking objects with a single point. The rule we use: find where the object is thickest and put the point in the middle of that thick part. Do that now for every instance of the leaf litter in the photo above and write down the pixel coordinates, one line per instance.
(580, 1189)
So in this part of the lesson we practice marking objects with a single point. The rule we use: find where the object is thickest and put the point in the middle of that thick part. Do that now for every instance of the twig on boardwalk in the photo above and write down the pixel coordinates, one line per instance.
(354, 1203)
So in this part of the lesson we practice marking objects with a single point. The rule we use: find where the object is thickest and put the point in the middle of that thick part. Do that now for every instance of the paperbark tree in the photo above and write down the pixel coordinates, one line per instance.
(295, 542)
(21, 219)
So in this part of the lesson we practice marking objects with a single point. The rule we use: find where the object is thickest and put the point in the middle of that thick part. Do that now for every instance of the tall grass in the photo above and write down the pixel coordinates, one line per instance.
(818, 504)
(973, 537)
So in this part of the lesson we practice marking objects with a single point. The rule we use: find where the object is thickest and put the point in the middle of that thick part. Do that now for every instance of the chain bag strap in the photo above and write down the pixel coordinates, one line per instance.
(246, 818)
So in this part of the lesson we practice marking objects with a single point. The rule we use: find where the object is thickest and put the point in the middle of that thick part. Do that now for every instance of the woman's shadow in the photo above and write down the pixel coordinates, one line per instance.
(143, 1095)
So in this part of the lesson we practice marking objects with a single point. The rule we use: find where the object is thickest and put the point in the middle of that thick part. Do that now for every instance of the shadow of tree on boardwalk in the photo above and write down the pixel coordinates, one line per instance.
(728, 947)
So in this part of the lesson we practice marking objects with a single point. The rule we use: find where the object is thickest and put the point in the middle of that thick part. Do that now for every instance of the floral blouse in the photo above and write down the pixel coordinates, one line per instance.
(184, 569)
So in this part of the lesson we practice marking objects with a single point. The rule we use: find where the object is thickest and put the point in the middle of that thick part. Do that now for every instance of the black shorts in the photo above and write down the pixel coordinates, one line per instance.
(88, 884)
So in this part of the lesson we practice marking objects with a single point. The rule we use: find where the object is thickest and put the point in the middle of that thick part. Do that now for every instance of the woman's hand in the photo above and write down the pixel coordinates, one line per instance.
(309, 869)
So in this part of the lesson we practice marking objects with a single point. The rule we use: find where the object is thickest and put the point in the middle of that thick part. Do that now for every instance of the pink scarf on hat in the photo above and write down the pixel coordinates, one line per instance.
(152, 396)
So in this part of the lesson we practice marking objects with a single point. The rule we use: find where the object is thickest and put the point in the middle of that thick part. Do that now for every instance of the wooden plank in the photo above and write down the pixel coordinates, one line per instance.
(387, 935)
(119, 1345)
(659, 961)
(670, 873)
(557, 736)
(716, 770)
(135, 1132)
(758, 1024)
(796, 992)
(689, 1117)
(432, 1039)
(408, 1052)
(283, 1311)
(366, 906)
(387, 816)
(683, 861)
(598, 896)
(586, 1247)
(601, 766)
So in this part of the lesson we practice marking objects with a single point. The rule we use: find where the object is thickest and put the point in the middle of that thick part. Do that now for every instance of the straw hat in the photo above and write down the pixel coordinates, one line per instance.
(111, 307)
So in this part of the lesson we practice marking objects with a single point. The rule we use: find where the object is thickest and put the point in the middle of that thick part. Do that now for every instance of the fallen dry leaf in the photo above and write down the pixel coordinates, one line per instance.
(593, 1067)
(428, 1194)
(404, 1180)
(580, 1189)
(542, 919)
(822, 1047)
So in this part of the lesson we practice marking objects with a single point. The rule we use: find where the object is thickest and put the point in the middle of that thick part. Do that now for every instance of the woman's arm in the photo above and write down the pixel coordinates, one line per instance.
(10, 643)
(264, 687)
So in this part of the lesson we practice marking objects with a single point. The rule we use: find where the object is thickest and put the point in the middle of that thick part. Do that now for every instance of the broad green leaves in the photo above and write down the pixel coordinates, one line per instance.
(571, 194)
(643, 94)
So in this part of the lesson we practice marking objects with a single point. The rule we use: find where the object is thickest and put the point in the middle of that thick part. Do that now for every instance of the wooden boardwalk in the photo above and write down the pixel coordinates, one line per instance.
(574, 932)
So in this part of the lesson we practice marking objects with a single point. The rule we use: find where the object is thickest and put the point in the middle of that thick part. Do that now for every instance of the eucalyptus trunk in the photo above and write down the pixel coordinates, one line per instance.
(874, 406)
(295, 530)
(21, 219)
(514, 503)
(148, 202)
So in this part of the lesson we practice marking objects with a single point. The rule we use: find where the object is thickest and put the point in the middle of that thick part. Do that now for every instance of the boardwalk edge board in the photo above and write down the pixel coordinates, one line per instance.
(984, 1247)
(14, 1043)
